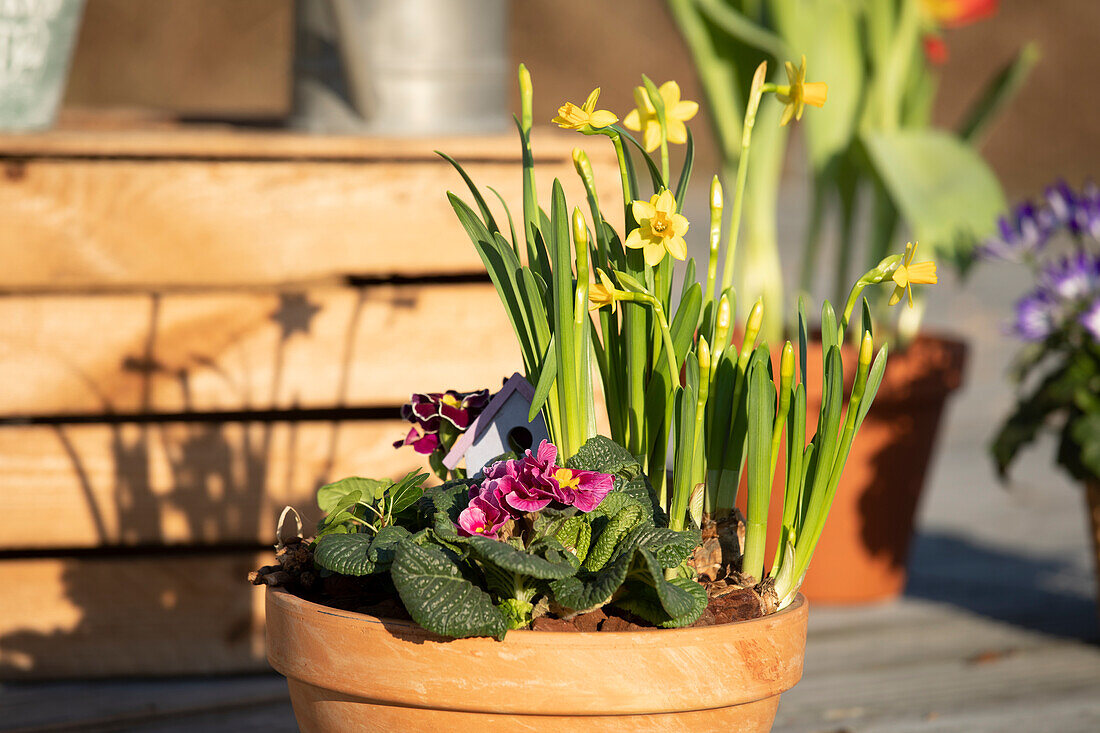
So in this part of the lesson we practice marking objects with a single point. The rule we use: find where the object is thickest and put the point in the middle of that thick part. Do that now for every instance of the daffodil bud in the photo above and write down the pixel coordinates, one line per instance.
(756, 318)
(866, 351)
(715, 196)
(883, 271)
(786, 366)
(582, 164)
(580, 230)
(526, 94)
(721, 327)
(752, 330)
(702, 350)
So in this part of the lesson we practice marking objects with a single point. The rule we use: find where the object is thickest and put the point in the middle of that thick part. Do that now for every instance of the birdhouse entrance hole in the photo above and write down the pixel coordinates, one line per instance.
(519, 439)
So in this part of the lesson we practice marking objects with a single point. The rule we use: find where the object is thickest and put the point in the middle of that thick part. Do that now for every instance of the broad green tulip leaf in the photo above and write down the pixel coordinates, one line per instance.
(943, 188)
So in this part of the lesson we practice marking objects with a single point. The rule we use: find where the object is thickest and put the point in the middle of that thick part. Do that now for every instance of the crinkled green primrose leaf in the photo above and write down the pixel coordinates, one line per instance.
(439, 598)
(521, 562)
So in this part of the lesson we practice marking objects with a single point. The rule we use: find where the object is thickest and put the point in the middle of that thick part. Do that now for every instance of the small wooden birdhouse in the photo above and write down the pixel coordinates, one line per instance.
(501, 427)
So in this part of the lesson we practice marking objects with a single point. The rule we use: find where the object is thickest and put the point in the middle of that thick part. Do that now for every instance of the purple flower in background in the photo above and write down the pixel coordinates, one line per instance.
(1036, 317)
(1078, 212)
(1089, 210)
(428, 411)
(1024, 234)
(1071, 278)
(1062, 202)
(1090, 319)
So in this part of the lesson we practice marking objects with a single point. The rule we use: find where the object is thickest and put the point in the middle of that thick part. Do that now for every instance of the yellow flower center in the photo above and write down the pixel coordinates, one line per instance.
(566, 479)
(660, 224)
(451, 400)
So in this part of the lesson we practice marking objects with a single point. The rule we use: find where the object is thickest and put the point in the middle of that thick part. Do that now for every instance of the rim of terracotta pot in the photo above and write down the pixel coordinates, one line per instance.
(397, 662)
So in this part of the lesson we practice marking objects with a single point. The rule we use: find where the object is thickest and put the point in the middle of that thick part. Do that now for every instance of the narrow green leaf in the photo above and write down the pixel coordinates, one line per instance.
(486, 214)
(654, 171)
(998, 92)
(546, 381)
(685, 173)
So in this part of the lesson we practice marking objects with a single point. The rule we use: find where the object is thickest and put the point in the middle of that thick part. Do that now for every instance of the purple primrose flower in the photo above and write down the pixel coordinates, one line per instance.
(428, 411)
(513, 488)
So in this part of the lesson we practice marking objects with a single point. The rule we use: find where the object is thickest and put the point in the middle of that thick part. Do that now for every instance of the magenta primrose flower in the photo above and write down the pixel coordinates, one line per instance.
(428, 411)
(529, 484)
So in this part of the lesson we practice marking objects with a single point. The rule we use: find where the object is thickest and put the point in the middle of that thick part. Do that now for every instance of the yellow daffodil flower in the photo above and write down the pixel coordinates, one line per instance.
(572, 117)
(677, 112)
(602, 293)
(660, 229)
(799, 92)
(909, 272)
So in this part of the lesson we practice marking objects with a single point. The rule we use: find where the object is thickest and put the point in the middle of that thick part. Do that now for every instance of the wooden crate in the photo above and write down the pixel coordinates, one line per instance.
(198, 327)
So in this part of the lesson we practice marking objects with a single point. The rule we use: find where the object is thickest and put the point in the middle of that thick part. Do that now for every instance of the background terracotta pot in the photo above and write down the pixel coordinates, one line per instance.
(1092, 503)
(862, 553)
(352, 672)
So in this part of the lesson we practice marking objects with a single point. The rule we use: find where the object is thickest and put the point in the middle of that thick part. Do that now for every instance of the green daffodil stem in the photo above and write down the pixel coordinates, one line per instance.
(755, 93)
(662, 326)
(882, 272)
(586, 424)
(634, 327)
(624, 176)
(698, 458)
(786, 375)
(658, 103)
(530, 201)
(891, 85)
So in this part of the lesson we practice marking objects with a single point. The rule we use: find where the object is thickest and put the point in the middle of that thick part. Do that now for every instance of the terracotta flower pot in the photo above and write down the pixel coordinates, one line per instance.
(352, 672)
(862, 553)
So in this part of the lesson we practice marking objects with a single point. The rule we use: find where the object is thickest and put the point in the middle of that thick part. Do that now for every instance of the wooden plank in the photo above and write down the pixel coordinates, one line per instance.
(203, 58)
(235, 351)
(200, 483)
(107, 135)
(75, 223)
(98, 617)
